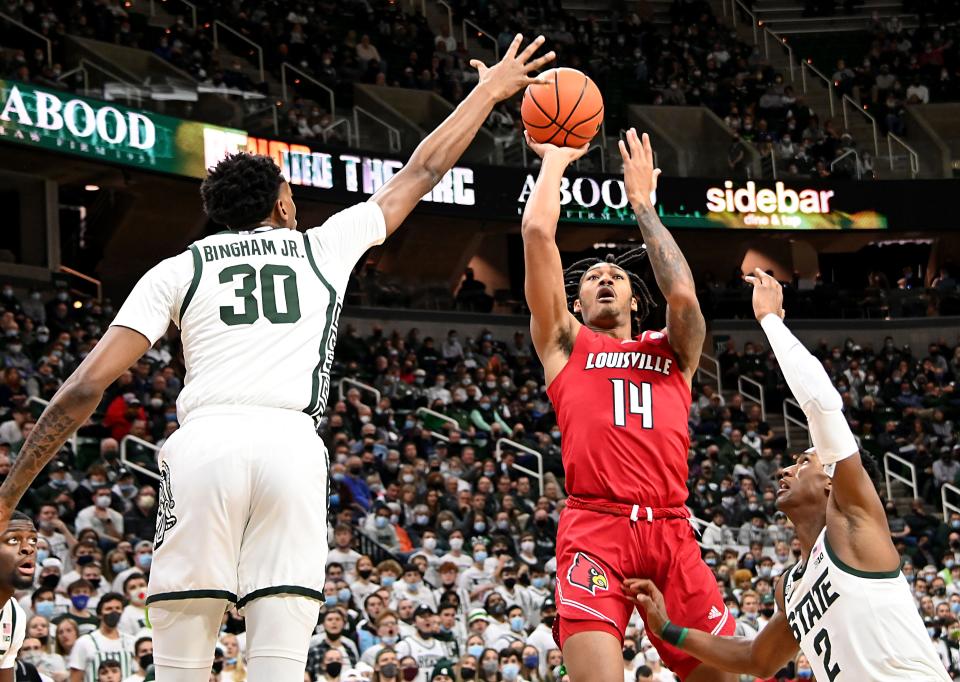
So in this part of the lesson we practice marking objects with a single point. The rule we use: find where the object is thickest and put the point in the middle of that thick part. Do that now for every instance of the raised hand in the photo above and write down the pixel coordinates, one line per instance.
(639, 175)
(767, 295)
(543, 150)
(512, 73)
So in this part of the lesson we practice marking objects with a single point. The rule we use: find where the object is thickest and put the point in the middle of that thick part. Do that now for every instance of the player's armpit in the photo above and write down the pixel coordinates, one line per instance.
(862, 538)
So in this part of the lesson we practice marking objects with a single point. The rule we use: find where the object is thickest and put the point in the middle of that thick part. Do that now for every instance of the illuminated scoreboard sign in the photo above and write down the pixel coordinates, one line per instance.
(344, 172)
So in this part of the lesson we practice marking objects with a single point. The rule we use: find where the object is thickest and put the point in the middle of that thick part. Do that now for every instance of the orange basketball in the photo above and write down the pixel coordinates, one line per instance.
(567, 112)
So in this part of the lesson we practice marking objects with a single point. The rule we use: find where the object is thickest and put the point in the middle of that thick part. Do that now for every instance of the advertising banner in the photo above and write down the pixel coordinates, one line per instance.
(61, 121)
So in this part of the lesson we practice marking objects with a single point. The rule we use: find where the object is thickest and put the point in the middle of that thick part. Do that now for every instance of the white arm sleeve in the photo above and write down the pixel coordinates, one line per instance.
(156, 298)
(814, 391)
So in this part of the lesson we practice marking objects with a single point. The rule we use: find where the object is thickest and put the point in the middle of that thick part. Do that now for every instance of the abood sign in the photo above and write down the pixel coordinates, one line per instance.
(60, 121)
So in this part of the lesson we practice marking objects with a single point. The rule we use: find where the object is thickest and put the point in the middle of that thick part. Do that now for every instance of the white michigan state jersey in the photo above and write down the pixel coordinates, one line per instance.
(13, 628)
(855, 626)
(257, 310)
(427, 655)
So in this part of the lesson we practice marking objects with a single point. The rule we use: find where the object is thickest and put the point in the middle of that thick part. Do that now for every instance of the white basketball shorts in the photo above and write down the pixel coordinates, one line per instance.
(242, 507)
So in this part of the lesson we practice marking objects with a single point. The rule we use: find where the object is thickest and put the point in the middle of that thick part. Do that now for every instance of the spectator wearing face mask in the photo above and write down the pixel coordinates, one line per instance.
(542, 636)
(477, 580)
(386, 667)
(456, 555)
(50, 664)
(379, 526)
(412, 587)
(100, 517)
(79, 593)
(332, 637)
(517, 629)
(140, 522)
(104, 643)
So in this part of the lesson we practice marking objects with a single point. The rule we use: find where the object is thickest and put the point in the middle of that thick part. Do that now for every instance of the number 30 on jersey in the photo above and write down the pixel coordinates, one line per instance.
(631, 398)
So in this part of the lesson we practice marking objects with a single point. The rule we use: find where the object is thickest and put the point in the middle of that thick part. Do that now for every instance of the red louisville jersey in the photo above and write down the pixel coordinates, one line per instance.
(622, 407)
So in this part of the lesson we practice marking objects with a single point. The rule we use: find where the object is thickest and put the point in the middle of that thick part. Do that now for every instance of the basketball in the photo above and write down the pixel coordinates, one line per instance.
(567, 112)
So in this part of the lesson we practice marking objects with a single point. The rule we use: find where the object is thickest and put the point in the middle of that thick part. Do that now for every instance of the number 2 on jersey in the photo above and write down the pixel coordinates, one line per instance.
(639, 400)
(245, 289)
(821, 644)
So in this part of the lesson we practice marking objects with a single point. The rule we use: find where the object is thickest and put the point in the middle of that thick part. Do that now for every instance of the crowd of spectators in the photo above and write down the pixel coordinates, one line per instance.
(695, 60)
(442, 556)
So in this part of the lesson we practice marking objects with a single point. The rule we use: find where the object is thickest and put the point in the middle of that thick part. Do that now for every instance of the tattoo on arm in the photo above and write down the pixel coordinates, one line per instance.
(669, 265)
(687, 326)
(51, 431)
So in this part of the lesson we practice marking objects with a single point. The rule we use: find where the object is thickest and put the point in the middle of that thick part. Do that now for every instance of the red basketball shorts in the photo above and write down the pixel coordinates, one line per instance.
(597, 551)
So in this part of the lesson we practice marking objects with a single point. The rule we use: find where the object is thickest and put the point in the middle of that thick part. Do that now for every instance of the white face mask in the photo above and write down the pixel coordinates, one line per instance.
(456, 544)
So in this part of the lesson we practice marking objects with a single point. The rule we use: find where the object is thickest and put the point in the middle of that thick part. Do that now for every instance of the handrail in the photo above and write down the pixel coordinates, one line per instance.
(759, 400)
(283, 85)
(393, 133)
(538, 474)
(868, 116)
(888, 475)
(133, 465)
(480, 32)
(788, 420)
(783, 44)
(914, 157)
(22, 26)
(102, 69)
(845, 155)
(216, 44)
(193, 12)
(366, 388)
(808, 63)
(73, 437)
(441, 417)
(712, 374)
(949, 506)
(87, 278)
(338, 122)
(449, 14)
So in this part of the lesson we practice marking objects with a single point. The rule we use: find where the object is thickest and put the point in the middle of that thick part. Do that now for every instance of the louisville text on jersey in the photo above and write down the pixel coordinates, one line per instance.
(618, 360)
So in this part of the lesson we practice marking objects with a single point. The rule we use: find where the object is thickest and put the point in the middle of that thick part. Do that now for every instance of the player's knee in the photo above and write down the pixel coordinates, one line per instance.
(281, 626)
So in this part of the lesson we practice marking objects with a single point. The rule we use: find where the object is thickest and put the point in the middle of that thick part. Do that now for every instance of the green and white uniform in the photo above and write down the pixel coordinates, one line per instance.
(93, 649)
(855, 626)
(244, 478)
(13, 627)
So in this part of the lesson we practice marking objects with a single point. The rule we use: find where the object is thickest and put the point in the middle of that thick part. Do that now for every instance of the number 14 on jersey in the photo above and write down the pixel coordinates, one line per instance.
(631, 398)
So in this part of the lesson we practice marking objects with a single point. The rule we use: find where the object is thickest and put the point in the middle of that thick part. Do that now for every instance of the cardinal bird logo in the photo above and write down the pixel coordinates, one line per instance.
(587, 574)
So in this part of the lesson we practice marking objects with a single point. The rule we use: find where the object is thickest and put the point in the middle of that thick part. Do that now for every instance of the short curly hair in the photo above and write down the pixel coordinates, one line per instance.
(241, 190)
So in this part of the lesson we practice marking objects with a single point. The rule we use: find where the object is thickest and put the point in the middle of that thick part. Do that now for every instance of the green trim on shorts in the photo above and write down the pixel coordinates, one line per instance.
(193, 594)
(197, 271)
(314, 408)
(281, 589)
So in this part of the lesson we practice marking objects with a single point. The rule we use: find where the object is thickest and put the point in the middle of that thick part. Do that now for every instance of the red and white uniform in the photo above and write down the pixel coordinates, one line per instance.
(622, 408)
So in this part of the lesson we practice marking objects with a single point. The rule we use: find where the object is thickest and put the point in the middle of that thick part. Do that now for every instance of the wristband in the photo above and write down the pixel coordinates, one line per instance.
(673, 634)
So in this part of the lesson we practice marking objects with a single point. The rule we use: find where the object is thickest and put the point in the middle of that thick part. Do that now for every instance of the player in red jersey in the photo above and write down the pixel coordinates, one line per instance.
(622, 400)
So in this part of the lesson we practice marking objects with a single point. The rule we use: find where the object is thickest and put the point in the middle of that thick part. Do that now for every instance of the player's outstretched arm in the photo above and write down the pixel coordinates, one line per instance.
(761, 656)
(439, 150)
(72, 405)
(852, 489)
(553, 329)
(686, 327)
